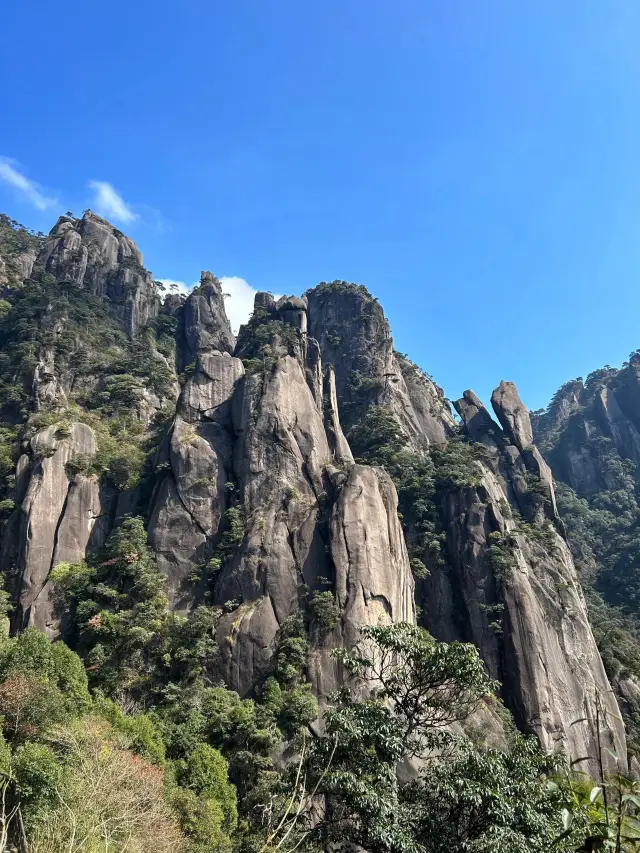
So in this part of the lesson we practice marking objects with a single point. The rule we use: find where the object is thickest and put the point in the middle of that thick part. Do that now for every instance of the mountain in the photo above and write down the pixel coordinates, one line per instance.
(213, 523)
(590, 435)
(268, 471)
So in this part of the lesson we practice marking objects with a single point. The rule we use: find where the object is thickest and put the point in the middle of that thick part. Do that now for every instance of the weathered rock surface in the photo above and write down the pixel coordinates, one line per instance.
(205, 322)
(606, 406)
(18, 250)
(255, 502)
(355, 338)
(514, 592)
(95, 255)
(512, 414)
(192, 496)
(56, 518)
(310, 515)
(17, 266)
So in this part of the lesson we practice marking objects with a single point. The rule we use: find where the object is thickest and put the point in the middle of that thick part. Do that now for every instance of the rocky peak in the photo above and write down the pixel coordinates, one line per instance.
(96, 256)
(566, 402)
(264, 300)
(252, 499)
(293, 311)
(355, 337)
(512, 414)
(475, 417)
(206, 325)
(18, 250)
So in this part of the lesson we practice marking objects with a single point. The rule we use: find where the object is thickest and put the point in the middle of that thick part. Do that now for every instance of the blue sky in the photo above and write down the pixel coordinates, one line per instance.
(475, 164)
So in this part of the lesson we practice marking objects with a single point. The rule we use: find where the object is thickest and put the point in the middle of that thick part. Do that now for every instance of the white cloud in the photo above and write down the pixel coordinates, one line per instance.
(239, 302)
(109, 203)
(29, 189)
(239, 296)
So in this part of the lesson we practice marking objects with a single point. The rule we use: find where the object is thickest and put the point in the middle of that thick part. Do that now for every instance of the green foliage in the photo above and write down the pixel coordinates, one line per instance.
(263, 339)
(108, 372)
(233, 525)
(339, 287)
(118, 608)
(423, 480)
(120, 623)
(9, 450)
(501, 555)
(464, 798)
(90, 793)
(205, 772)
(325, 611)
(201, 819)
(299, 708)
(291, 655)
(491, 801)
(141, 730)
(431, 684)
(37, 772)
(456, 464)
(40, 684)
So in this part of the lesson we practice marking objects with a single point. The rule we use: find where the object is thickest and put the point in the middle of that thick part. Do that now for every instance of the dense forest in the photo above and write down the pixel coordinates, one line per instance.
(268, 593)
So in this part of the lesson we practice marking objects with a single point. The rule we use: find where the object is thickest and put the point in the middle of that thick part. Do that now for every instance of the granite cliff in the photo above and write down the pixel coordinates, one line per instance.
(590, 435)
(304, 468)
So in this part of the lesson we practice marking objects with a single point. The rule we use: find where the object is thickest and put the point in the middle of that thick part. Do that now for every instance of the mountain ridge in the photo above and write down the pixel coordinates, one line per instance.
(292, 486)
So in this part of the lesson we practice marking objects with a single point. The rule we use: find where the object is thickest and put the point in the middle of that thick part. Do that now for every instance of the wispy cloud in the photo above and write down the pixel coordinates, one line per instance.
(109, 203)
(238, 292)
(28, 188)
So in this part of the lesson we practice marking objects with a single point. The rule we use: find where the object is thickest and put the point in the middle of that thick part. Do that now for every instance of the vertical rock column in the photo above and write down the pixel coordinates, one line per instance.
(311, 515)
(196, 458)
(54, 521)
(514, 590)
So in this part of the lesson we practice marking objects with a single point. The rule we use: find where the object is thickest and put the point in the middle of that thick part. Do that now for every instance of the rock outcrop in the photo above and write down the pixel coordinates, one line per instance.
(206, 326)
(18, 251)
(581, 415)
(355, 338)
(94, 255)
(590, 435)
(252, 499)
(56, 518)
(512, 589)
(196, 457)
(311, 516)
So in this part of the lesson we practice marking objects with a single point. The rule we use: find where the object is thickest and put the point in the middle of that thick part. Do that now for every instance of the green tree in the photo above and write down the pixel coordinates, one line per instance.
(206, 773)
(393, 725)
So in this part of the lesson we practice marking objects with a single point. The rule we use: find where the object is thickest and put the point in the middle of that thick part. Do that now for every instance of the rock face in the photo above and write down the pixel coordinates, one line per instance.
(96, 256)
(205, 322)
(590, 435)
(512, 589)
(18, 250)
(55, 519)
(355, 338)
(251, 495)
(581, 415)
(305, 507)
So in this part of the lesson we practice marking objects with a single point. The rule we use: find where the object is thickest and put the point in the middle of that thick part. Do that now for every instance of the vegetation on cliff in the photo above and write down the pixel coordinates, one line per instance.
(126, 737)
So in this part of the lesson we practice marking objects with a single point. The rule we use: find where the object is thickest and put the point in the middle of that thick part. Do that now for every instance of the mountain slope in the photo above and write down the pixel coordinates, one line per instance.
(268, 472)
(590, 435)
